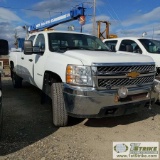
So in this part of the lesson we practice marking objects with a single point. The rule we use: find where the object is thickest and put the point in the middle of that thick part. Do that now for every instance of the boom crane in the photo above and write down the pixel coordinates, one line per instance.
(73, 14)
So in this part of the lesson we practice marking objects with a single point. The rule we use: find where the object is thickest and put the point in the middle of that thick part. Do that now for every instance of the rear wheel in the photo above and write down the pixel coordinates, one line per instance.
(60, 117)
(16, 80)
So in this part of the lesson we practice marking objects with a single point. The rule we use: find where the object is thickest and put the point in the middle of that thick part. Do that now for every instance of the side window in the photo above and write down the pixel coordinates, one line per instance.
(40, 42)
(78, 43)
(129, 46)
(111, 44)
(32, 38)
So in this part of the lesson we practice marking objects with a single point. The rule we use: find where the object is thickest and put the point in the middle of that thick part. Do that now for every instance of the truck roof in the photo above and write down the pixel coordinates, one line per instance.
(121, 38)
(57, 31)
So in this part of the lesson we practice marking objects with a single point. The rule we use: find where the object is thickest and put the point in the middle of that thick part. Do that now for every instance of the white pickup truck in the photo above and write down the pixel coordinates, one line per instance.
(82, 77)
(140, 45)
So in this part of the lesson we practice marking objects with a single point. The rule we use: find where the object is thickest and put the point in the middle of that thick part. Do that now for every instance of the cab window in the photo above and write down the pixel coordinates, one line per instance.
(152, 46)
(111, 44)
(40, 42)
(129, 46)
(32, 38)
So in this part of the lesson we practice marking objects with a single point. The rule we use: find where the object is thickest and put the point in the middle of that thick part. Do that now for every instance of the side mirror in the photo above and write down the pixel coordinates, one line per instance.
(28, 47)
(4, 48)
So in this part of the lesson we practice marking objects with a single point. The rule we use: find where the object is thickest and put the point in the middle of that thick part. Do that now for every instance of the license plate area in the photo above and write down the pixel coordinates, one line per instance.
(134, 97)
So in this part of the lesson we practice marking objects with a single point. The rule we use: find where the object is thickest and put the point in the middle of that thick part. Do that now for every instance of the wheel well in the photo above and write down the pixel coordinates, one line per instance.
(49, 79)
(52, 76)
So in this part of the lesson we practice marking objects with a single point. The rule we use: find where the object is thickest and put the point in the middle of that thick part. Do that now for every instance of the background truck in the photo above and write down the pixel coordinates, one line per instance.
(82, 77)
(3, 51)
(137, 45)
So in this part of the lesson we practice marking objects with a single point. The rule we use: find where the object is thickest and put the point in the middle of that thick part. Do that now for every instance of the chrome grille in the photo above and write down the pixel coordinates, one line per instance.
(109, 76)
(116, 82)
(115, 69)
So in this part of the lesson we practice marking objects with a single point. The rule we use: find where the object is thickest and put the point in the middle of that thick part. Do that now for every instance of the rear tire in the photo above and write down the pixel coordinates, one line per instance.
(16, 80)
(60, 117)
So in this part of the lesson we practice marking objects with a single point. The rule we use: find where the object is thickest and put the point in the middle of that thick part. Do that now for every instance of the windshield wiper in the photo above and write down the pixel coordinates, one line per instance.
(102, 50)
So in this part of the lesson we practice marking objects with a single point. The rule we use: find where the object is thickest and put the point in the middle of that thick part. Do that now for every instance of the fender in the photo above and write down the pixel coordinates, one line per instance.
(61, 61)
(13, 58)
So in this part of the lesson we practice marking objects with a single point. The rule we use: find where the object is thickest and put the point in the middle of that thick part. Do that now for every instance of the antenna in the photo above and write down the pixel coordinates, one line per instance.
(94, 17)
(144, 34)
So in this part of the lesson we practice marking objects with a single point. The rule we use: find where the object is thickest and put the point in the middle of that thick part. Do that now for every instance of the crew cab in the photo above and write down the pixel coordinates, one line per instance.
(83, 77)
(138, 45)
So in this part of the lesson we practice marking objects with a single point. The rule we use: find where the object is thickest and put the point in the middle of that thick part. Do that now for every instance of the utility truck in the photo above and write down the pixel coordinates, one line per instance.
(137, 45)
(82, 76)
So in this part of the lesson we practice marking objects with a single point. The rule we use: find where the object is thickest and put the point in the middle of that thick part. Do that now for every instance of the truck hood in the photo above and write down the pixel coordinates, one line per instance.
(89, 57)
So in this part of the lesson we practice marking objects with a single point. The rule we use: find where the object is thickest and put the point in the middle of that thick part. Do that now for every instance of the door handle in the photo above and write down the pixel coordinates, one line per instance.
(30, 60)
(22, 58)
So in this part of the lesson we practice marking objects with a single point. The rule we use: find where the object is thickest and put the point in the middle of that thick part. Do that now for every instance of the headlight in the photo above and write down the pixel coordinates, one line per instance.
(79, 75)
(122, 92)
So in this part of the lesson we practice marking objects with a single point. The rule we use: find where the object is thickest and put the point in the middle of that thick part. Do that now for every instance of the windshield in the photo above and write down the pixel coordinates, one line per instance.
(152, 46)
(61, 42)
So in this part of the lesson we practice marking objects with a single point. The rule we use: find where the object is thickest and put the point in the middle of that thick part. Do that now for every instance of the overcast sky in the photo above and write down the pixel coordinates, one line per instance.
(127, 17)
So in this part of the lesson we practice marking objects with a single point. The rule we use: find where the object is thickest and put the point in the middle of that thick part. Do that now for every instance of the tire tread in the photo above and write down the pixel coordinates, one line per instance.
(60, 117)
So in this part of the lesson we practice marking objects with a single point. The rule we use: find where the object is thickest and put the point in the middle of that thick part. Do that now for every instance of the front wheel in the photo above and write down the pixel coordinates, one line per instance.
(60, 117)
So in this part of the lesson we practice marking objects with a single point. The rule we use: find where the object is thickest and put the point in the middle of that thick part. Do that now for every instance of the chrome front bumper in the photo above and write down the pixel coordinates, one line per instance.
(89, 102)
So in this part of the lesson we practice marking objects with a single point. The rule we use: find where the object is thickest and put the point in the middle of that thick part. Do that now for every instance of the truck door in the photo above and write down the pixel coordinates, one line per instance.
(39, 60)
(28, 65)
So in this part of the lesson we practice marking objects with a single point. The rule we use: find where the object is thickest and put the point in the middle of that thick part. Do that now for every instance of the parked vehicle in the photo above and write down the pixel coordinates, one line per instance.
(82, 77)
(137, 45)
(3, 51)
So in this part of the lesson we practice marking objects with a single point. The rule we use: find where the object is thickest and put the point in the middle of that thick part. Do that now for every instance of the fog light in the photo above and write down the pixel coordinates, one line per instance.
(122, 92)
(157, 87)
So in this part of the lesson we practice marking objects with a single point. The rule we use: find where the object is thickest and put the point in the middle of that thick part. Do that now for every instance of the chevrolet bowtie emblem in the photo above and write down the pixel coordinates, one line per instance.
(133, 74)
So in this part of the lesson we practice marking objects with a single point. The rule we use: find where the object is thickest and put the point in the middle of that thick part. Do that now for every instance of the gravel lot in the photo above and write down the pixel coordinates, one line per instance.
(28, 132)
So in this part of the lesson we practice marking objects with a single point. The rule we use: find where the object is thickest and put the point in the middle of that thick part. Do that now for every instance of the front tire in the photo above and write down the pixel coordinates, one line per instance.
(60, 117)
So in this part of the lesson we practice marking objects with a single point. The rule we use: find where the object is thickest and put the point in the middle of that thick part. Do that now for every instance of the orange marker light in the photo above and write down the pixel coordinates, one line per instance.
(69, 71)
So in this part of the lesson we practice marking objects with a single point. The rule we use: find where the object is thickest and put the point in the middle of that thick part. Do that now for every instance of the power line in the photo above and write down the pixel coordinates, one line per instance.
(36, 10)
(21, 8)
(114, 11)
